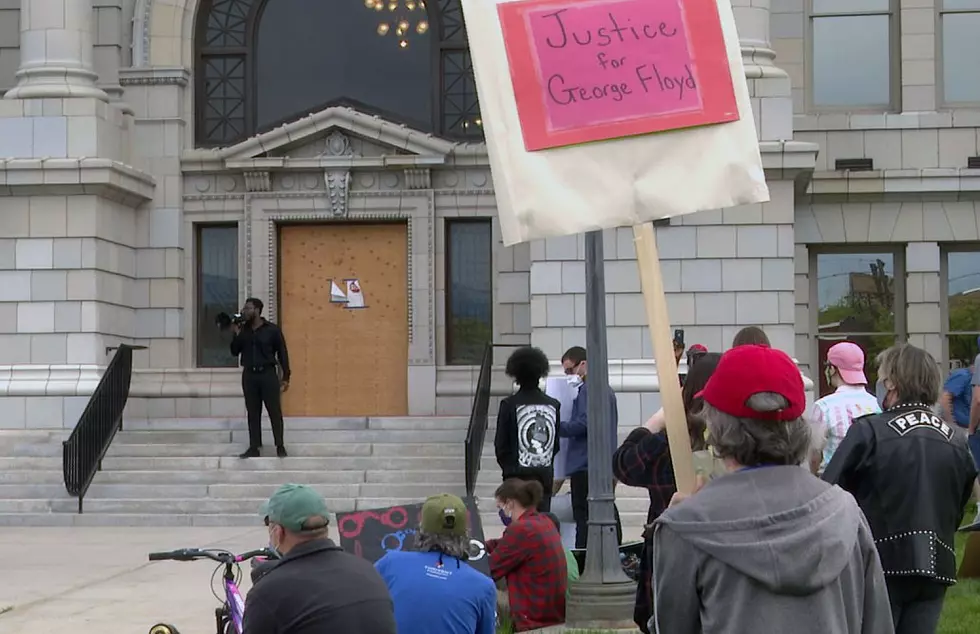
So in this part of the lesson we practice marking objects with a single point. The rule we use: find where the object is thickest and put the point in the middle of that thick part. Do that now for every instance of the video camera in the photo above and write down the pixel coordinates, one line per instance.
(224, 320)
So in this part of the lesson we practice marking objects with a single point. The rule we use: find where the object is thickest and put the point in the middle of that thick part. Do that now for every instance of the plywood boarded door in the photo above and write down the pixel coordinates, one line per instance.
(345, 362)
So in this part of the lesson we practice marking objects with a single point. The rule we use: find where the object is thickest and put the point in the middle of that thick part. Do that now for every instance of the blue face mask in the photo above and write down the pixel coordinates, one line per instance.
(504, 519)
(881, 393)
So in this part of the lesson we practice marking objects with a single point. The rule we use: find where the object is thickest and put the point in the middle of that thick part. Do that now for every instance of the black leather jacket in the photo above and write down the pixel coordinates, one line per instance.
(912, 475)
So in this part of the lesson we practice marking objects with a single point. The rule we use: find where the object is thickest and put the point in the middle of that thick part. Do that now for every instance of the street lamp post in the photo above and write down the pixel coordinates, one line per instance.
(603, 598)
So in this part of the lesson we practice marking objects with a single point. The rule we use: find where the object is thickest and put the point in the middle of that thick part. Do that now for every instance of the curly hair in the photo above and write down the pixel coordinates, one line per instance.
(527, 366)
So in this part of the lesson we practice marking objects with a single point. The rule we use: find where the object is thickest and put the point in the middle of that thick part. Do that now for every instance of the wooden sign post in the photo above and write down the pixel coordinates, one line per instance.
(652, 285)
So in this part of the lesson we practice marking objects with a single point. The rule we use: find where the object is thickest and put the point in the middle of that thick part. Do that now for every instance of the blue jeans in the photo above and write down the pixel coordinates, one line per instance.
(974, 442)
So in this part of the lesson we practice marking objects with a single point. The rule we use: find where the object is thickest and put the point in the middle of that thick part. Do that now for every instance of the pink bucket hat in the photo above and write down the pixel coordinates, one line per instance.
(848, 358)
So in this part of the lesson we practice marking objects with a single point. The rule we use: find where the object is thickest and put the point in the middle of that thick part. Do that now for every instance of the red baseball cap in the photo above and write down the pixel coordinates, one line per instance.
(747, 370)
(697, 348)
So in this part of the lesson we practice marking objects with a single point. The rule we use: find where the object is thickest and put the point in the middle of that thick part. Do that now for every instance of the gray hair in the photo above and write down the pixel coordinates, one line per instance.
(751, 442)
(913, 372)
(452, 545)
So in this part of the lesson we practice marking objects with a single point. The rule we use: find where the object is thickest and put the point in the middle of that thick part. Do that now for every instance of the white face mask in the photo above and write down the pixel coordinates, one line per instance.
(574, 380)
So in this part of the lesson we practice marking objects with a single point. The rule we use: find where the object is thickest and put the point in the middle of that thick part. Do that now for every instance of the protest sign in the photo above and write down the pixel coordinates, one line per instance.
(612, 113)
(372, 533)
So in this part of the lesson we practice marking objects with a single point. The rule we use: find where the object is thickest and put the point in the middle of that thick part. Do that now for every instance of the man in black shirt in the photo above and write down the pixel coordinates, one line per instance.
(315, 587)
(262, 347)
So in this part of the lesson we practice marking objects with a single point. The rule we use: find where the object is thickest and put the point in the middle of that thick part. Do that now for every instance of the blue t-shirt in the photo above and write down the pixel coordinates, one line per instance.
(453, 598)
(960, 385)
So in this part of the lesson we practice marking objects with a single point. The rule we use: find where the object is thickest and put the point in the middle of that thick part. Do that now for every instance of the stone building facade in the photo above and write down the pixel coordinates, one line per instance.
(159, 163)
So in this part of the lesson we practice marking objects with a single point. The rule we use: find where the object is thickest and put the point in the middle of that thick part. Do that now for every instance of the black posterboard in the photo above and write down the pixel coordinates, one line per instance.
(372, 533)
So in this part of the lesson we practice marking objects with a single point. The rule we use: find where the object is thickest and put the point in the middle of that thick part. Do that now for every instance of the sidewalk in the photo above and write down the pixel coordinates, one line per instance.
(98, 580)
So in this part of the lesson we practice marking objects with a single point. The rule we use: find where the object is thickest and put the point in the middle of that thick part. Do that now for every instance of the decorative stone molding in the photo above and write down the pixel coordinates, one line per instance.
(153, 76)
(258, 181)
(337, 144)
(338, 188)
(104, 177)
(418, 179)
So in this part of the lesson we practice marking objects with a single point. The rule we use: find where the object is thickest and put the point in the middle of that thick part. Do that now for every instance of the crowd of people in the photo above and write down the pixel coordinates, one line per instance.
(841, 519)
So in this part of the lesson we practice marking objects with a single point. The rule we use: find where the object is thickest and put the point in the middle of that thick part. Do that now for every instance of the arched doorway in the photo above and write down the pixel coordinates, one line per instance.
(262, 63)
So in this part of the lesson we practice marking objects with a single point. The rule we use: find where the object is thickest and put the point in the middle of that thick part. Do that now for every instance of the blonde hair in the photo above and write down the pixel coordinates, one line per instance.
(913, 373)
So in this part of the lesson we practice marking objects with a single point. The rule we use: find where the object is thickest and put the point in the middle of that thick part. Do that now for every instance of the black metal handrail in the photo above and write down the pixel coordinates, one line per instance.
(102, 418)
(476, 433)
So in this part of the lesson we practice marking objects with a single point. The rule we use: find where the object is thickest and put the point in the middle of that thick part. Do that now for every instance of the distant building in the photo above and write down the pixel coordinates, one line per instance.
(161, 160)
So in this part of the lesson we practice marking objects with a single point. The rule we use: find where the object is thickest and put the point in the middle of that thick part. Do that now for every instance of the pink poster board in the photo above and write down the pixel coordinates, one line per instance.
(593, 70)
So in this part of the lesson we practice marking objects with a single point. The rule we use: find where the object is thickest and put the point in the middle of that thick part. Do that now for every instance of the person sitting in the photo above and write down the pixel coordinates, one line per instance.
(526, 441)
(436, 574)
(767, 548)
(528, 559)
(316, 587)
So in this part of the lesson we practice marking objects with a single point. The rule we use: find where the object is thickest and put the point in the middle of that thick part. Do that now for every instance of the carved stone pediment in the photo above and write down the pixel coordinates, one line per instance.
(335, 143)
(338, 133)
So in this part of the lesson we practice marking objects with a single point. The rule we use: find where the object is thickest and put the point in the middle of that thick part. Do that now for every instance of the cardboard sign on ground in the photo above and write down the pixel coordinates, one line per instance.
(374, 532)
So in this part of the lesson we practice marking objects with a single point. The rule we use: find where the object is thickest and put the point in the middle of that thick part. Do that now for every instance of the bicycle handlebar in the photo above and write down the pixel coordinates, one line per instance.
(220, 556)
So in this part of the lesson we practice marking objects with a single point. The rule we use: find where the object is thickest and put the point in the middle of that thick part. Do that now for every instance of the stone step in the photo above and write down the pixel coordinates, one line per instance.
(243, 505)
(30, 476)
(407, 423)
(30, 463)
(229, 476)
(292, 463)
(490, 521)
(293, 438)
(10, 439)
(324, 450)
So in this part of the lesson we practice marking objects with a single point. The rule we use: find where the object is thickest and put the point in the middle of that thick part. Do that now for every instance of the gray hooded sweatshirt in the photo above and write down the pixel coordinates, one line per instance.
(767, 551)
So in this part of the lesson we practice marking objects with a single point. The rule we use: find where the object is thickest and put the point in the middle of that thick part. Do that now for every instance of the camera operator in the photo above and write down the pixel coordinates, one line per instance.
(261, 346)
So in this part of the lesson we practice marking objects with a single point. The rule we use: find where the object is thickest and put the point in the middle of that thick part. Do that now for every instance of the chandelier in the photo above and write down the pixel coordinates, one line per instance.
(401, 17)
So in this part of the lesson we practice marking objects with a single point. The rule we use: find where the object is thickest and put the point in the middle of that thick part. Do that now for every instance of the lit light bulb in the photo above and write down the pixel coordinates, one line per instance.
(378, 6)
(399, 31)
(403, 25)
(369, 4)
(422, 5)
(403, 44)
(383, 28)
(410, 5)
(392, 6)
(422, 27)
(479, 122)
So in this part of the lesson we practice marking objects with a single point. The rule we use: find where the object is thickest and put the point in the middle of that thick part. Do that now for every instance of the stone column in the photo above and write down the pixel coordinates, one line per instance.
(56, 51)
(769, 85)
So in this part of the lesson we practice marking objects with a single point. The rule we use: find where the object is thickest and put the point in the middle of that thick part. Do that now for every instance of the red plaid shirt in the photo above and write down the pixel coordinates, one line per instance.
(530, 556)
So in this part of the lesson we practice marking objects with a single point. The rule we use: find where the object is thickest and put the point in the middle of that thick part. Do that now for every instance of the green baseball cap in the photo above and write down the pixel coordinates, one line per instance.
(292, 505)
(444, 514)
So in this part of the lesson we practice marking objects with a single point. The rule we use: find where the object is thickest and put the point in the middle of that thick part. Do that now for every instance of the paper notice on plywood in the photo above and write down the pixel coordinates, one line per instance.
(337, 296)
(608, 113)
(355, 298)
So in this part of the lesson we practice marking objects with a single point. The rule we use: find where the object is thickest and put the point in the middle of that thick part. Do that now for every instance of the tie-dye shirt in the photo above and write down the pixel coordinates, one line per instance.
(835, 413)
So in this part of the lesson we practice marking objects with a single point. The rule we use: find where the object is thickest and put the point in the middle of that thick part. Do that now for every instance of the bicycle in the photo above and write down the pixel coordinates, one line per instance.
(228, 617)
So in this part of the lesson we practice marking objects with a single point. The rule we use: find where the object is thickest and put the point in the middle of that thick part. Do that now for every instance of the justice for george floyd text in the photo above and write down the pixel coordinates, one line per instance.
(613, 60)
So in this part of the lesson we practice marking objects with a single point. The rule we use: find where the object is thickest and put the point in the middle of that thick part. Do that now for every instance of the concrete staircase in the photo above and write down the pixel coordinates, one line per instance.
(186, 472)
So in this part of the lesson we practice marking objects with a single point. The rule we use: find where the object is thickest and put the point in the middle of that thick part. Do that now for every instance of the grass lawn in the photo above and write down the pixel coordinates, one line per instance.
(961, 612)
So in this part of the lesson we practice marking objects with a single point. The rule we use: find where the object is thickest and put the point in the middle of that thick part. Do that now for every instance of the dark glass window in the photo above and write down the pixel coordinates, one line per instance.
(261, 63)
(962, 306)
(469, 289)
(217, 292)
(857, 302)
